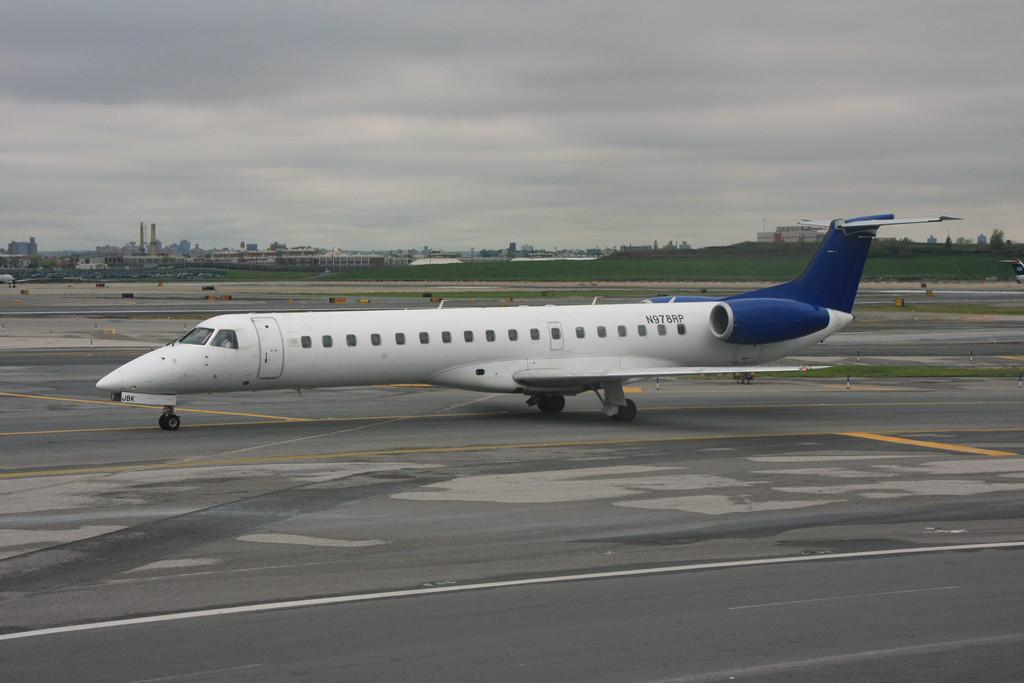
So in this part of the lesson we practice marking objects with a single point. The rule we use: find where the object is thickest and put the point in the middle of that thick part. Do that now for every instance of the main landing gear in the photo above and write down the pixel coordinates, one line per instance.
(627, 412)
(548, 403)
(614, 404)
(168, 420)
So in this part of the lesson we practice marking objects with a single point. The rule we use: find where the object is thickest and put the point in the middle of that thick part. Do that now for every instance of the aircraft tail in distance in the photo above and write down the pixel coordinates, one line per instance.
(1018, 269)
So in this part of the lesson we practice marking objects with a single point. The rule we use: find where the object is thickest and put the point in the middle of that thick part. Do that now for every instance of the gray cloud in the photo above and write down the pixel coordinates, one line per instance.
(471, 124)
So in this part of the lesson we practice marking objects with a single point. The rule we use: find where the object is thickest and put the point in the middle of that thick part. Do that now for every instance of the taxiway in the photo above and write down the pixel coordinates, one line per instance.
(792, 528)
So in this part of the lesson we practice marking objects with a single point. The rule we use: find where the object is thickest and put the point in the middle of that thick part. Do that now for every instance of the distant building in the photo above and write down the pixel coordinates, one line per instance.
(108, 250)
(630, 249)
(91, 263)
(982, 239)
(280, 257)
(29, 248)
(792, 233)
(440, 259)
(932, 239)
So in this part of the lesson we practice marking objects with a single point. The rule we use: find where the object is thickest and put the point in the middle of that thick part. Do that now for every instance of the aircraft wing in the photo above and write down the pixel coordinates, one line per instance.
(554, 377)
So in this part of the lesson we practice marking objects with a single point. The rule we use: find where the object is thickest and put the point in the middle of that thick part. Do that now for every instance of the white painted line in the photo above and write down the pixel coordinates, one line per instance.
(845, 597)
(416, 592)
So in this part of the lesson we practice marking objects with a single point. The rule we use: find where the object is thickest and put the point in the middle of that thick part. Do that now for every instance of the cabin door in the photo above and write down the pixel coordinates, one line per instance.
(271, 348)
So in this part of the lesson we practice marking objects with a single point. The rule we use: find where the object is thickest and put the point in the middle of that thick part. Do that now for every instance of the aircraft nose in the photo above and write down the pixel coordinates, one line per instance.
(113, 382)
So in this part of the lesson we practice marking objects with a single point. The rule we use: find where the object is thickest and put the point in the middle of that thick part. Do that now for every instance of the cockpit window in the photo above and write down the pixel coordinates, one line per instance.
(198, 336)
(225, 339)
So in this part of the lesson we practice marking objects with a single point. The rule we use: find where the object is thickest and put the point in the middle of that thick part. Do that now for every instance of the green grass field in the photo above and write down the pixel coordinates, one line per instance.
(859, 370)
(721, 264)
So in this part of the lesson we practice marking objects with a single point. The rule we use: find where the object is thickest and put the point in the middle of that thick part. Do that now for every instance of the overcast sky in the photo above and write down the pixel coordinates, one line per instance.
(474, 124)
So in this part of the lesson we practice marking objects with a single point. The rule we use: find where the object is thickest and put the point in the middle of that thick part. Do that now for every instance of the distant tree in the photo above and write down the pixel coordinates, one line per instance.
(962, 240)
(997, 241)
(883, 248)
(949, 243)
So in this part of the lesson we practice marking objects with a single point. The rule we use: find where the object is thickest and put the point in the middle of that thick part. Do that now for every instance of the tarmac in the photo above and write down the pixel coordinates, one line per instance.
(182, 542)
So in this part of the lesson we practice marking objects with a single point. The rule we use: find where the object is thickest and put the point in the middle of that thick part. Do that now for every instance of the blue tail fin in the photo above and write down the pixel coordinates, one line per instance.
(833, 275)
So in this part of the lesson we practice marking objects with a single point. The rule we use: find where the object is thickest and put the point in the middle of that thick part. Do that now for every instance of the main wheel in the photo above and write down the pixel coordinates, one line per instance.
(169, 421)
(551, 403)
(626, 412)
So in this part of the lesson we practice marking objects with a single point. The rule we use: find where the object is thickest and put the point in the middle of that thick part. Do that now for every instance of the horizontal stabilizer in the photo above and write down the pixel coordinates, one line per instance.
(878, 221)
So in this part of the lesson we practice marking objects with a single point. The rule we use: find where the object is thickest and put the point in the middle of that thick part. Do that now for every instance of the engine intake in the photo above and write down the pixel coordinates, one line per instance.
(763, 321)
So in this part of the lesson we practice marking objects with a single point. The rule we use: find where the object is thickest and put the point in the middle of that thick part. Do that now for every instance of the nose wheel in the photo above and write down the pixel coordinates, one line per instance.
(169, 421)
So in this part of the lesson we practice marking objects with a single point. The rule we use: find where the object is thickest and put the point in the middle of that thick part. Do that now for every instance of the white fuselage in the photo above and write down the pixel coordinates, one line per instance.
(480, 349)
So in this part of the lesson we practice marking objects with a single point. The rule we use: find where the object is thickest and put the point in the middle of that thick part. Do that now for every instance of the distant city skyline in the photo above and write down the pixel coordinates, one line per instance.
(185, 246)
(465, 125)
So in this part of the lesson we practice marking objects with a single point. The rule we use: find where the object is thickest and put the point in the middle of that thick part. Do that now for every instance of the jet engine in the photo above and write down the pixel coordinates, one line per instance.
(763, 321)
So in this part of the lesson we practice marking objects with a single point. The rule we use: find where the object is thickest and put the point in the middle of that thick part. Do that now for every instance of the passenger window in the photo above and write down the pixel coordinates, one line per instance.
(602, 332)
(375, 339)
(424, 338)
(513, 335)
(468, 335)
(307, 342)
(662, 330)
(489, 334)
(534, 333)
(226, 339)
(681, 328)
(350, 339)
(622, 330)
(399, 338)
(580, 333)
(198, 336)
(641, 330)
(556, 333)
(327, 341)
(446, 337)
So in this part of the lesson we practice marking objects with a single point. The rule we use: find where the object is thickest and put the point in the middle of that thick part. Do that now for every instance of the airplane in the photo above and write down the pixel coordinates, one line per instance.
(1018, 268)
(8, 279)
(542, 352)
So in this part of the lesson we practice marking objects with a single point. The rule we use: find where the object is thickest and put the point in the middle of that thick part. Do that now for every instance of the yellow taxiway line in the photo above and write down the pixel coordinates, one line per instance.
(925, 444)
(135, 405)
(508, 446)
(855, 387)
(276, 418)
